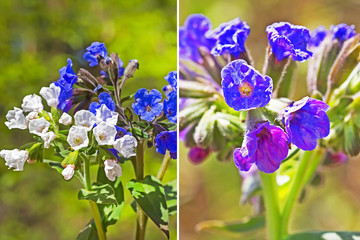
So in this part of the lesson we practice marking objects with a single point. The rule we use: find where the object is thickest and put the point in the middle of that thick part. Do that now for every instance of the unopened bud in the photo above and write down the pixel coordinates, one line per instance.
(68, 172)
(130, 69)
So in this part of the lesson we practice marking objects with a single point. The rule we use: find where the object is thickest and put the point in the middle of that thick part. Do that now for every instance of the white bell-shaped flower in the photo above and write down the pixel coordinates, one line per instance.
(48, 138)
(68, 172)
(85, 118)
(78, 137)
(32, 116)
(112, 169)
(16, 119)
(32, 103)
(65, 119)
(125, 146)
(39, 126)
(104, 114)
(105, 133)
(51, 94)
(15, 158)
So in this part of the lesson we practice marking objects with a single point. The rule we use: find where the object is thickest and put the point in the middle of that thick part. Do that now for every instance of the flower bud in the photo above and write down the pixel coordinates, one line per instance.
(65, 119)
(197, 155)
(51, 94)
(68, 172)
(131, 68)
(112, 169)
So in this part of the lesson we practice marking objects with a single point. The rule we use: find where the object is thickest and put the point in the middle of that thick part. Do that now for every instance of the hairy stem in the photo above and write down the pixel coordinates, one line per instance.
(164, 165)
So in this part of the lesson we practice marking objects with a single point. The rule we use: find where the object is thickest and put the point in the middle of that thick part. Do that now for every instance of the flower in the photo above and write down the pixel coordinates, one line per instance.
(32, 116)
(94, 51)
(68, 172)
(121, 132)
(289, 40)
(51, 94)
(147, 105)
(125, 146)
(48, 138)
(85, 118)
(65, 119)
(197, 155)
(230, 37)
(39, 126)
(16, 119)
(342, 31)
(170, 107)
(171, 78)
(66, 82)
(32, 103)
(244, 87)
(104, 114)
(306, 121)
(15, 158)
(265, 145)
(193, 35)
(112, 169)
(78, 137)
(104, 98)
(105, 133)
(167, 140)
(318, 36)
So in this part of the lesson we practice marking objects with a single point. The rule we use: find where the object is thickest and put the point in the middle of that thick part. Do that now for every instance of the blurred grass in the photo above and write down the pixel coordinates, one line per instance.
(212, 190)
(37, 36)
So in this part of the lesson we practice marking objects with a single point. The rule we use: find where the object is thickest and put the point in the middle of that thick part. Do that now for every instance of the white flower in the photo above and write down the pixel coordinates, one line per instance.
(84, 118)
(105, 133)
(125, 146)
(112, 169)
(48, 138)
(78, 137)
(51, 94)
(104, 114)
(68, 172)
(32, 116)
(65, 119)
(32, 103)
(39, 126)
(16, 119)
(15, 158)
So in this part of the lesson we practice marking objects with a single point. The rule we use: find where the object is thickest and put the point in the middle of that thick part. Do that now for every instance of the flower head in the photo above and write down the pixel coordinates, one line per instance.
(167, 140)
(48, 138)
(104, 114)
(39, 126)
(289, 40)
(265, 145)
(342, 31)
(171, 78)
(85, 118)
(104, 98)
(68, 172)
(65, 119)
(197, 155)
(94, 51)
(51, 94)
(121, 132)
(78, 137)
(147, 104)
(15, 158)
(125, 146)
(16, 119)
(105, 133)
(306, 122)
(318, 36)
(244, 87)
(112, 169)
(32, 103)
(66, 82)
(170, 107)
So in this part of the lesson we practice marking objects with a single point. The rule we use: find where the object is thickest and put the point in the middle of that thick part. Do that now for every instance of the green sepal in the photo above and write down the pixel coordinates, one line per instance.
(71, 158)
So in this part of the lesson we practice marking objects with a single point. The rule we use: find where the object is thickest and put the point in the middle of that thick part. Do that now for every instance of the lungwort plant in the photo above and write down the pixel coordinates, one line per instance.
(88, 126)
(236, 112)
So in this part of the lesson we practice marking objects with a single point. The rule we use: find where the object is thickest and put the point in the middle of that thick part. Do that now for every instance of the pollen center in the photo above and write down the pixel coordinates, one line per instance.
(102, 136)
(245, 89)
(78, 140)
(148, 108)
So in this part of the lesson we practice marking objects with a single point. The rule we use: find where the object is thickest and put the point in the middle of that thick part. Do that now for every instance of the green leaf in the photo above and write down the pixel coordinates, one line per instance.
(129, 114)
(70, 158)
(204, 130)
(171, 197)
(100, 193)
(139, 132)
(56, 166)
(150, 195)
(325, 236)
(89, 232)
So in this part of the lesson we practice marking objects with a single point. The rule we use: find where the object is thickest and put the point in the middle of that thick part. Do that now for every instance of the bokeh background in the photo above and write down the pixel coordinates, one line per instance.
(37, 36)
(211, 190)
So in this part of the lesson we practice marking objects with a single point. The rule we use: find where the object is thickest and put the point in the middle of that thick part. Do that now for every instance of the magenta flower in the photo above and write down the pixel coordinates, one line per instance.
(197, 155)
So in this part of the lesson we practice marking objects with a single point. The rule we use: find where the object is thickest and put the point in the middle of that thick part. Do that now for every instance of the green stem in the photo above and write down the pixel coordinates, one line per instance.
(164, 165)
(270, 194)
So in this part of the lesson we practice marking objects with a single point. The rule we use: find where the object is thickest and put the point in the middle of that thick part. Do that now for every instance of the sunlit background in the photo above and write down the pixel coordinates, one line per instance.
(212, 190)
(36, 39)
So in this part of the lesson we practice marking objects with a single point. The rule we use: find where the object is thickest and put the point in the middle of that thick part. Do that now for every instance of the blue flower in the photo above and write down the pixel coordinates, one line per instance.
(245, 88)
(171, 78)
(306, 122)
(167, 140)
(121, 132)
(289, 40)
(231, 37)
(317, 36)
(104, 98)
(170, 107)
(193, 35)
(94, 51)
(265, 145)
(147, 104)
(342, 31)
(66, 82)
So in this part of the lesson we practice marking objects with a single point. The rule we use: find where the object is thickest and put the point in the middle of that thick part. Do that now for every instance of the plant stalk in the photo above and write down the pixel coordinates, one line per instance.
(164, 165)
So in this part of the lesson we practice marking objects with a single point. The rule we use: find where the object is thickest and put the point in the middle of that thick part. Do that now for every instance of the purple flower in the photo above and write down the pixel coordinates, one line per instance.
(289, 40)
(342, 31)
(147, 104)
(231, 37)
(245, 88)
(167, 140)
(265, 145)
(317, 36)
(66, 82)
(94, 51)
(170, 107)
(306, 122)
(193, 35)
(197, 155)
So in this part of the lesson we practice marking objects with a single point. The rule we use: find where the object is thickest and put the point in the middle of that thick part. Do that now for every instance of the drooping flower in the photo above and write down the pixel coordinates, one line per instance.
(94, 51)
(16, 119)
(125, 146)
(65, 119)
(48, 138)
(318, 36)
(289, 40)
(66, 82)
(306, 122)
(68, 172)
(244, 87)
(51, 94)
(39, 126)
(32, 116)
(230, 37)
(112, 169)
(78, 137)
(15, 158)
(105, 133)
(167, 140)
(170, 107)
(85, 118)
(197, 155)
(147, 104)
(342, 31)
(32, 103)
(265, 145)
(104, 114)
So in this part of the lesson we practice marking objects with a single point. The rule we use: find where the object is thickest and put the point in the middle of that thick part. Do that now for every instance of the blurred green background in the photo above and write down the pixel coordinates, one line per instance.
(212, 190)
(37, 36)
